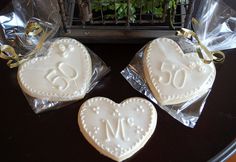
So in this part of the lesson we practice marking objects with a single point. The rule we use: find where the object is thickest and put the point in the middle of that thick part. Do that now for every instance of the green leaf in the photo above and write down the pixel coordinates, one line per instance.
(158, 12)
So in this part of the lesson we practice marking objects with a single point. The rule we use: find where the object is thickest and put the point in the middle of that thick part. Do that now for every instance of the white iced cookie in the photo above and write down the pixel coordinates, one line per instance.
(117, 130)
(173, 76)
(62, 75)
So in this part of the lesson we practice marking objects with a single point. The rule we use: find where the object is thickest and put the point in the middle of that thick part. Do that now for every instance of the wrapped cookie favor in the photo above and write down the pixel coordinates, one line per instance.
(65, 72)
(52, 72)
(177, 71)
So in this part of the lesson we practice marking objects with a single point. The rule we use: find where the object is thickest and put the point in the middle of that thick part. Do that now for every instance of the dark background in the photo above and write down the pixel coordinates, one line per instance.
(55, 136)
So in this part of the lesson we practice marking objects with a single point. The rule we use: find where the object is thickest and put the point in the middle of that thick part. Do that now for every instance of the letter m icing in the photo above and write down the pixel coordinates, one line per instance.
(119, 131)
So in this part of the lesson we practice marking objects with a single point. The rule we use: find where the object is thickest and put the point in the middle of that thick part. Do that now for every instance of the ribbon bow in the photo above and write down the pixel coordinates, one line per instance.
(215, 56)
(7, 52)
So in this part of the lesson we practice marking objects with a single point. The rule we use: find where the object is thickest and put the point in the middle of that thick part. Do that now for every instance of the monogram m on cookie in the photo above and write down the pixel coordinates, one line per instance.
(117, 130)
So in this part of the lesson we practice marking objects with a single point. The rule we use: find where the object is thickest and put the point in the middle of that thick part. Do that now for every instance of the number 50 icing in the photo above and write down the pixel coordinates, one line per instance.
(62, 75)
(175, 77)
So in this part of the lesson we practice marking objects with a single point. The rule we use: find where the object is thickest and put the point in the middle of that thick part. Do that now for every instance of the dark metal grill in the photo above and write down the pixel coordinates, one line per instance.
(123, 19)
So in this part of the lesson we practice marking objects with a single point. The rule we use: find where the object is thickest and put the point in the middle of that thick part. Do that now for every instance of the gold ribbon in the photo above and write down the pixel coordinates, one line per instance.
(33, 29)
(7, 52)
(215, 56)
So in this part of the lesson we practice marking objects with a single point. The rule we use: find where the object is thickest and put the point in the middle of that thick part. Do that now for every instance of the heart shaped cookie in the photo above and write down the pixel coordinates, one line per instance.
(62, 75)
(175, 77)
(117, 130)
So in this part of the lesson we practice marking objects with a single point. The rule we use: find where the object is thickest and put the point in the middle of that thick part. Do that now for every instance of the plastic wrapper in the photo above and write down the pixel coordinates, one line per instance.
(98, 70)
(29, 20)
(215, 27)
(28, 36)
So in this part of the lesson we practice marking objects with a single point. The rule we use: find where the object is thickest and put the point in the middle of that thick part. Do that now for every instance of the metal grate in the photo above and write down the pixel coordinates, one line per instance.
(123, 19)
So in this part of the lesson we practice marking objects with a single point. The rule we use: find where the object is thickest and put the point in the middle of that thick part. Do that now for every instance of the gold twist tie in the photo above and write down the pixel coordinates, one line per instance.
(33, 29)
(7, 52)
(215, 56)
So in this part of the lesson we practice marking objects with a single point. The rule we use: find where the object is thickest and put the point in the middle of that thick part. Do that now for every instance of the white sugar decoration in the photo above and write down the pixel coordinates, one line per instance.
(173, 76)
(62, 75)
(121, 135)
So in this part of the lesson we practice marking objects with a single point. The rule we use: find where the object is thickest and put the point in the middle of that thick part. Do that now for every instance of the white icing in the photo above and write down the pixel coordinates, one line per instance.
(192, 65)
(138, 129)
(140, 109)
(116, 113)
(62, 75)
(182, 75)
(202, 69)
(130, 121)
(96, 129)
(62, 47)
(71, 47)
(117, 136)
(173, 76)
(96, 109)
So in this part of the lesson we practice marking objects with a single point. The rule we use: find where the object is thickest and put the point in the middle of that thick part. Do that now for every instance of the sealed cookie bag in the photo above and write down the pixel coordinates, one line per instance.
(52, 72)
(177, 72)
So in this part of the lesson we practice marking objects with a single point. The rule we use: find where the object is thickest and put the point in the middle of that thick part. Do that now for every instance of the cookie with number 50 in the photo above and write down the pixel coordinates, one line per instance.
(174, 76)
(62, 75)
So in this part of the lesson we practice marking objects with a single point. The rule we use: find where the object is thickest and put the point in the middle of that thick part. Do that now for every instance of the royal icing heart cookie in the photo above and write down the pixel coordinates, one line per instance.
(62, 75)
(175, 77)
(117, 130)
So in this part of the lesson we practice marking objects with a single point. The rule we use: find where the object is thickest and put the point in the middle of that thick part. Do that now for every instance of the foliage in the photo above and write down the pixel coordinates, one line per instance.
(122, 11)
(119, 8)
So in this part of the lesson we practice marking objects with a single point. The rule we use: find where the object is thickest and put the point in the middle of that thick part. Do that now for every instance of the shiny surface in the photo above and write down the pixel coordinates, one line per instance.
(28, 24)
(186, 111)
(55, 135)
(215, 25)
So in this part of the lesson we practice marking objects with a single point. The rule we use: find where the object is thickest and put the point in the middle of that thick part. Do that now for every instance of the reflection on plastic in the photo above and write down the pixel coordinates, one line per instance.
(216, 25)
(15, 25)
(37, 14)
(99, 70)
(216, 29)
(187, 112)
